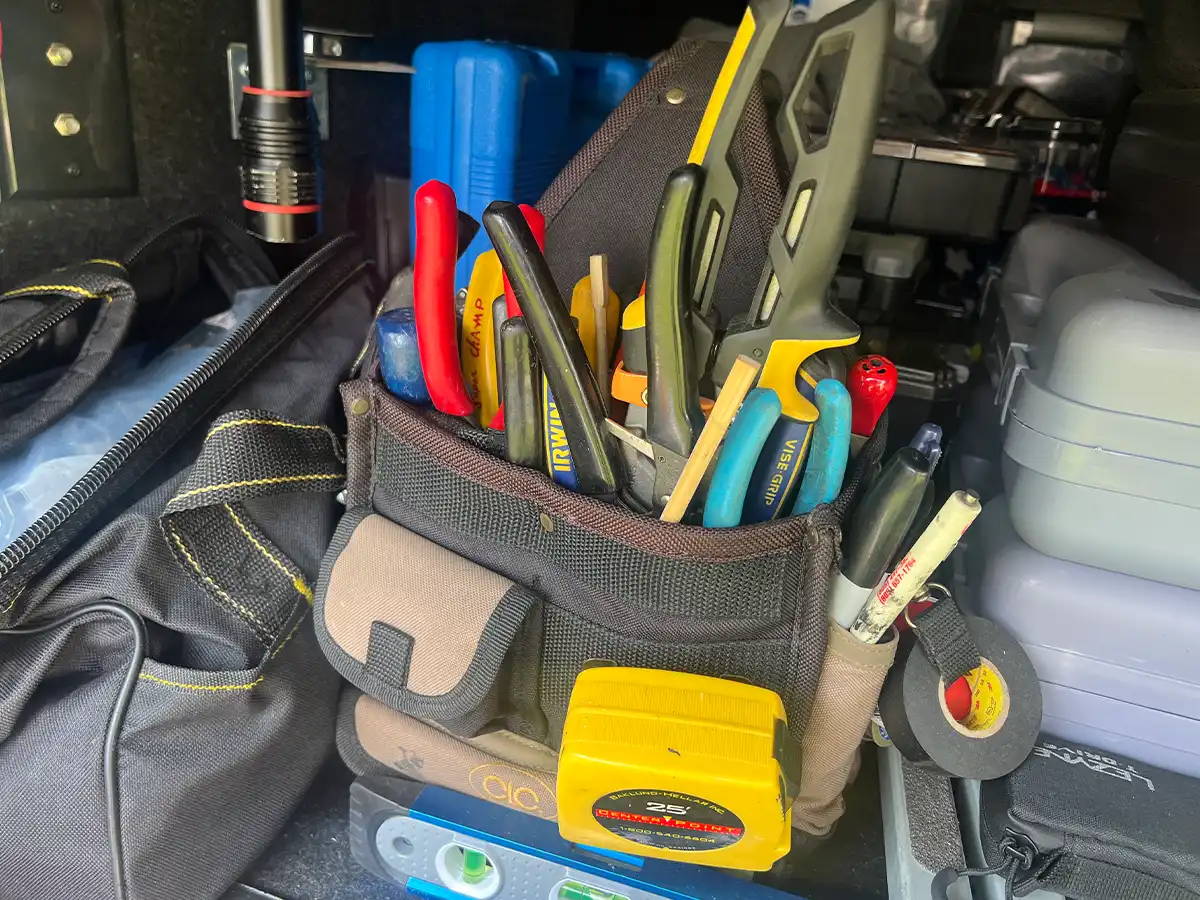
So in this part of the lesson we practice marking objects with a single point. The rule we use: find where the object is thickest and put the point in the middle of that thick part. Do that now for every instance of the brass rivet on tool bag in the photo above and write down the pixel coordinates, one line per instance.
(546, 522)
(59, 55)
(360, 406)
(675, 96)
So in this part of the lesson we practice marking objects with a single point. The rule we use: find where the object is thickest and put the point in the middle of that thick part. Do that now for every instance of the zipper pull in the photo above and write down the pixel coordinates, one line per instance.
(1021, 854)
(1017, 855)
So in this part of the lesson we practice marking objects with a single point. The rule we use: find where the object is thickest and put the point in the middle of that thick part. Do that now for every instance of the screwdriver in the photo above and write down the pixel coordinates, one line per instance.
(563, 358)
(522, 379)
(558, 452)
(872, 382)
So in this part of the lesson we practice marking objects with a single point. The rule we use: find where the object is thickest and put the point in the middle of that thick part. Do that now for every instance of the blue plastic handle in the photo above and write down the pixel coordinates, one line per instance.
(399, 356)
(743, 444)
(830, 449)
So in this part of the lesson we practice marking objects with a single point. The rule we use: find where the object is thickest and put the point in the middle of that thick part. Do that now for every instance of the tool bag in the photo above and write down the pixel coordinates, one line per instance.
(163, 701)
(462, 595)
(1092, 826)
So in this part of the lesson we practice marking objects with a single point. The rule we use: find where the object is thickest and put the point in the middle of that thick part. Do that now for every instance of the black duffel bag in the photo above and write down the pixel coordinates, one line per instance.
(163, 701)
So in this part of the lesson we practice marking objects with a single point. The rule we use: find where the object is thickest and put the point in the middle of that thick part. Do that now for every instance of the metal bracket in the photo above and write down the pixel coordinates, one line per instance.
(330, 49)
(324, 49)
(65, 126)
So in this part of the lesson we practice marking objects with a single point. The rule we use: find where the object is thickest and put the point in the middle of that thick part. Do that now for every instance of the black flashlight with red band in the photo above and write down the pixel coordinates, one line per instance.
(281, 164)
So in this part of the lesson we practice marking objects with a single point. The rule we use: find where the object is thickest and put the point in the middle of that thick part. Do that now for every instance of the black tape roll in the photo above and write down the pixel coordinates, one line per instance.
(1006, 709)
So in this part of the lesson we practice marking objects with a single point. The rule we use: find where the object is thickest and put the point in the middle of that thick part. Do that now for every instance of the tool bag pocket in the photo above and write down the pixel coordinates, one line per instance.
(496, 765)
(444, 543)
(416, 625)
(847, 695)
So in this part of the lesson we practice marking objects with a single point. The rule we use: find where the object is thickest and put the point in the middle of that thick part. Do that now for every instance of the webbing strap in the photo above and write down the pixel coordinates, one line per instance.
(248, 454)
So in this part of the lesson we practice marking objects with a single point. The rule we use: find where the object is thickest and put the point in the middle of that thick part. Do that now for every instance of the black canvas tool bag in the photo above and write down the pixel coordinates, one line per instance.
(462, 595)
(1092, 826)
(163, 701)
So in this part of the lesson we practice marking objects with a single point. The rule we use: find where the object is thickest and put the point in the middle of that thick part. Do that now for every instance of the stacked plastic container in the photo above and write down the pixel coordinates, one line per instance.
(498, 121)
(1089, 557)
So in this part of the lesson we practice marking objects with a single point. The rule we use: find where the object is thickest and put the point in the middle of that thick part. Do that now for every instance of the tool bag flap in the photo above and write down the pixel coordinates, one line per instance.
(416, 625)
(606, 197)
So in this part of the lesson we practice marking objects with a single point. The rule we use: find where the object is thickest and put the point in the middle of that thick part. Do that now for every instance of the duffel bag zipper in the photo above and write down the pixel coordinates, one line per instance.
(28, 332)
(104, 469)
(25, 334)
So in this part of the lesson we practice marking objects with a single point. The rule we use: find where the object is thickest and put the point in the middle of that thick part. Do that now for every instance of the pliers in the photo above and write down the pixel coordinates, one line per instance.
(436, 216)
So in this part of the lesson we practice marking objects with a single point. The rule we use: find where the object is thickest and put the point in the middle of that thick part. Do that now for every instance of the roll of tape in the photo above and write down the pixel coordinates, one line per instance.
(1003, 723)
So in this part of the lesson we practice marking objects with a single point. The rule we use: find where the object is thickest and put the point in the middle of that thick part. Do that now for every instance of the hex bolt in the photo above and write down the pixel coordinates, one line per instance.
(67, 125)
(60, 55)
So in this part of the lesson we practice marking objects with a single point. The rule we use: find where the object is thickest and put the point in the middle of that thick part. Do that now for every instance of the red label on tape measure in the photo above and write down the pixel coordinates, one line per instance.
(668, 820)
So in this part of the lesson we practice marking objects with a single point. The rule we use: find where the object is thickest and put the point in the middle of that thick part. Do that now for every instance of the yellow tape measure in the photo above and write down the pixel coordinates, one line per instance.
(677, 766)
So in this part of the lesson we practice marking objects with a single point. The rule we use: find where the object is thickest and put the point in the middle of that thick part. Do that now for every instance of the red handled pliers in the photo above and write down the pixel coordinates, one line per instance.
(433, 297)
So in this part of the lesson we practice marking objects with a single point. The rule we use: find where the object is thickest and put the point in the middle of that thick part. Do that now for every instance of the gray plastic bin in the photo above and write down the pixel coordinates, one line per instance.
(1045, 254)
(1117, 656)
(1102, 450)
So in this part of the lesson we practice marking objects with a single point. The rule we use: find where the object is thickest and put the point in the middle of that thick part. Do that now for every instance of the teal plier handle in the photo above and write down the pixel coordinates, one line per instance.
(827, 459)
(830, 449)
(743, 444)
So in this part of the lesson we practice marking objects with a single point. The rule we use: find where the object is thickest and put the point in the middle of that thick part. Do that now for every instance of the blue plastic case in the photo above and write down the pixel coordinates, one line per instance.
(498, 121)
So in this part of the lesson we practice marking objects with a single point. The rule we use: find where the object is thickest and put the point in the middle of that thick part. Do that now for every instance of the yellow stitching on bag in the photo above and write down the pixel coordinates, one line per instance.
(16, 597)
(234, 484)
(73, 288)
(108, 262)
(297, 582)
(203, 687)
(291, 634)
(70, 288)
(236, 422)
(250, 616)
(225, 687)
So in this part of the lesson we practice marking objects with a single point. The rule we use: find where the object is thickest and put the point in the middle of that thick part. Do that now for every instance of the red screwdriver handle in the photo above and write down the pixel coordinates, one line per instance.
(872, 384)
(537, 224)
(436, 217)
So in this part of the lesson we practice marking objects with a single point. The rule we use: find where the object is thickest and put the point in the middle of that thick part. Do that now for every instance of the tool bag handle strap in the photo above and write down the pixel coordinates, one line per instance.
(249, 454)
